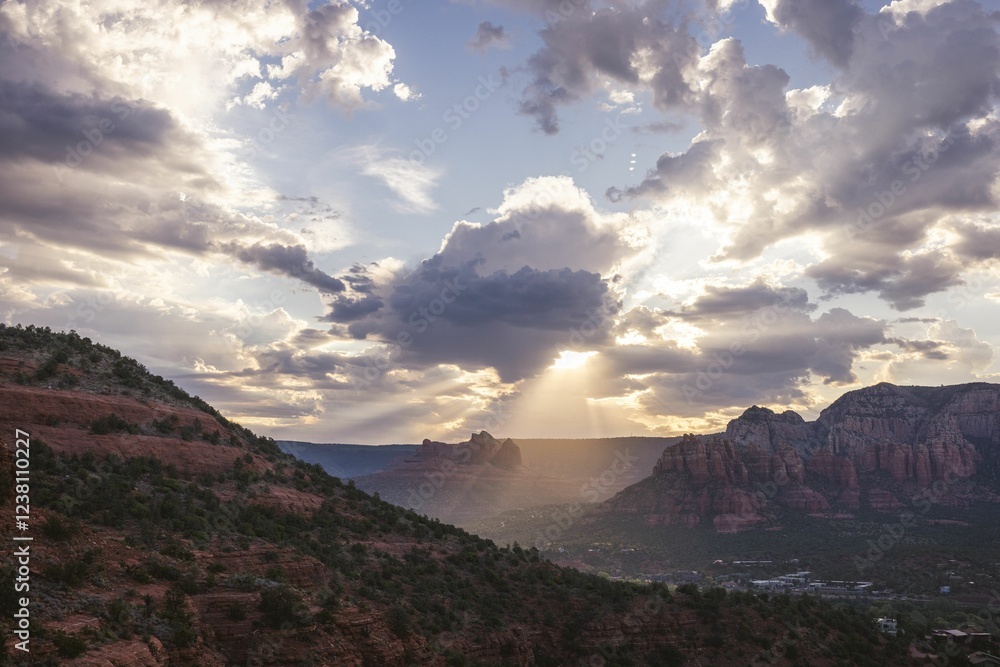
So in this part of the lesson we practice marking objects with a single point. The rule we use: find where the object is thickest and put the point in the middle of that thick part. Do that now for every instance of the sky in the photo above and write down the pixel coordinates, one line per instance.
(382, 221)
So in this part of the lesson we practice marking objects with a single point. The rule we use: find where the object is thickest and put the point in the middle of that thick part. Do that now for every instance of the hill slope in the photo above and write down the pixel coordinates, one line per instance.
(166, 534)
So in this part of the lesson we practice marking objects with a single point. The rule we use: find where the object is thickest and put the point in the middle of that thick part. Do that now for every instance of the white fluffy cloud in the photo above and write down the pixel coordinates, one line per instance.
(903, 139)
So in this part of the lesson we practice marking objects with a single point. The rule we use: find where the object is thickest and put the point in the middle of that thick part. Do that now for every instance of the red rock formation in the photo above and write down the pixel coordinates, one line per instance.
(508, 456)
(802, 498)
(836, 469)
(134, 653)
(258, 559)
(880, 499)
(912, 436)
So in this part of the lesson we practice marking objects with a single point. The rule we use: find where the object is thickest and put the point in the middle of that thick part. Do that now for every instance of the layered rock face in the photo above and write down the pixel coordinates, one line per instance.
(876, 447)
(919, 434)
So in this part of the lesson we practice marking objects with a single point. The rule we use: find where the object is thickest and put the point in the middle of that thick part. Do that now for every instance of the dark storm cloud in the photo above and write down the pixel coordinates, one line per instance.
(359, 278)
(286, 260)
(978, 242)
(515, 322)
(928, 349)
(828, 25)
(528, 298)
(722, 302)
(346, 309)
(586, 46)
(39, 123)
(308, 338)
(57, 151)
(904, 282)
(840, 335)
(487, 35)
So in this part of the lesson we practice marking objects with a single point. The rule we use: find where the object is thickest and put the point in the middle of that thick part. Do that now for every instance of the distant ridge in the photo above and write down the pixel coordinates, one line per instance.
(348, 461)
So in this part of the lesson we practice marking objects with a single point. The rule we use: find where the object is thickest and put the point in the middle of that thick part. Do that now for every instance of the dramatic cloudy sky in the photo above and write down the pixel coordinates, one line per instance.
(384, 220)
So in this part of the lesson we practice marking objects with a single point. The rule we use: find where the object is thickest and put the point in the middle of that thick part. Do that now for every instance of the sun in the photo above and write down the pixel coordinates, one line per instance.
(570, 360)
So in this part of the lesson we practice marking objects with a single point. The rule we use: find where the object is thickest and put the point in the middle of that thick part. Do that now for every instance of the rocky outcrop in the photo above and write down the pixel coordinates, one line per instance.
(836, 469)
(768, 430)
(480, 448)
(876, 447)
(265, 561)
(803, 498)
(461, 483)
(919, 434)
(508, 456)
(132, 653)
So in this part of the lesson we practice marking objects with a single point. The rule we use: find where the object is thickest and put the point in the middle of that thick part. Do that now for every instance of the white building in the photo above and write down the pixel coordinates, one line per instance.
(887, 626)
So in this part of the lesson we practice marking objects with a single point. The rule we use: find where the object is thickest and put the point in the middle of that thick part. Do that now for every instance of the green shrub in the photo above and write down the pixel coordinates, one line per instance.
(69, 646)
(237, 611)
(112, 424)
(283, 604)
(56, 528)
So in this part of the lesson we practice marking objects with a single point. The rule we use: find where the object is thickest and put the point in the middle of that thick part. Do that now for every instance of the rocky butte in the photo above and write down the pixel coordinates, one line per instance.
(877, 447)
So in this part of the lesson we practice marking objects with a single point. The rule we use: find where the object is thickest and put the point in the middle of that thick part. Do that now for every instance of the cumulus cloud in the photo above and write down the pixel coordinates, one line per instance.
(507, 295)
(640, 45)
(105, 145)
(877, 164)
(753, 340)
(828, 25)
(949, 353)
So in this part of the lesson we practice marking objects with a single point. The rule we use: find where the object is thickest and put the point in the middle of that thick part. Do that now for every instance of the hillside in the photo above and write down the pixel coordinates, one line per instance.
(164, 534)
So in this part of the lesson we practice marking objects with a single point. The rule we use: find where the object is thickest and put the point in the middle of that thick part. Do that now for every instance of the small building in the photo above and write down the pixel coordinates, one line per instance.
(983, 658)
(951, 636)
(887, 626)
